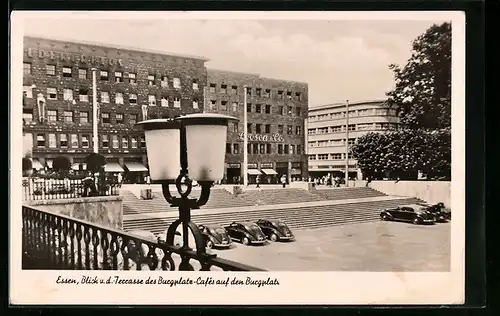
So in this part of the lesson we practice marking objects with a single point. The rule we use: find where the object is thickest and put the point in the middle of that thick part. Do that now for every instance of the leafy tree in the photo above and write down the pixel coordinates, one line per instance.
(27, 164)
(61, 164)
(95, 162)
(422, 93)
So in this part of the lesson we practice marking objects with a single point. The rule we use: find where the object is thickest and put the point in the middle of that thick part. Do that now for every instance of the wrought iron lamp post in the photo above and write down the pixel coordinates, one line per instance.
(195, 141)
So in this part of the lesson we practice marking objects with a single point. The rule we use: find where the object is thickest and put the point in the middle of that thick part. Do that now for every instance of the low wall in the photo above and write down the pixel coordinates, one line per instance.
(102, 210)
(429, 191)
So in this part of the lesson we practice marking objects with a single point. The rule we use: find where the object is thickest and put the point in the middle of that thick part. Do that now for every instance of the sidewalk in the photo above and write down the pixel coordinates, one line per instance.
(174, 211)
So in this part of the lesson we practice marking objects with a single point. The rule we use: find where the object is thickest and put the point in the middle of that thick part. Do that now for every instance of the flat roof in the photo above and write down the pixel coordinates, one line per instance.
(105, 45)
(342, 104)
(253, 75)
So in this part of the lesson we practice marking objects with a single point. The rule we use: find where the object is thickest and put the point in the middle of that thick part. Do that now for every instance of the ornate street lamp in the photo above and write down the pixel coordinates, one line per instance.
(194, 142)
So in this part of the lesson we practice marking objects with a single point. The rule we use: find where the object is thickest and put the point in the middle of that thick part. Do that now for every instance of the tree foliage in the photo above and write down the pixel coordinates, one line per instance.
(27, 164)
(61, 164)
(95, 162)
(422, 93)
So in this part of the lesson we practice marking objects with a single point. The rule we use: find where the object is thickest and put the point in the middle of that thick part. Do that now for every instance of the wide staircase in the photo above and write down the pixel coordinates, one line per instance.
(279, 196)
(347, 193)
(296, 218)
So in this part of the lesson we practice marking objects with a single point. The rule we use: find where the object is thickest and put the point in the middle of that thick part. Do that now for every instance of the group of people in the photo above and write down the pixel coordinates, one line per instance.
(327, 180)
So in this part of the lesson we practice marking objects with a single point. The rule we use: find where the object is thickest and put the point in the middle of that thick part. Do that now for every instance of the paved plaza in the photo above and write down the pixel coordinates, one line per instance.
(376, 246)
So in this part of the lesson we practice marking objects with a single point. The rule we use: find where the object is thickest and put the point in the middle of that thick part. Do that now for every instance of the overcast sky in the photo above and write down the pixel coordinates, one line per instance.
(338, 59)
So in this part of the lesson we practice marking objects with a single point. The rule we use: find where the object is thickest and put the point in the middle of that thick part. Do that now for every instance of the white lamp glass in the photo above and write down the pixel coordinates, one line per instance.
(163, 147)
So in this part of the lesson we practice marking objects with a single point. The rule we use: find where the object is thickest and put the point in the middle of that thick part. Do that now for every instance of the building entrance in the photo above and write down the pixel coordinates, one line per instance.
(233, 175)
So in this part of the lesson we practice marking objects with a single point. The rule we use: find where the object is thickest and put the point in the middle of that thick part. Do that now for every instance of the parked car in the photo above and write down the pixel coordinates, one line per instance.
(414, 213)
(439, 211)
(275, 230)
(215, 236)
(246, 232)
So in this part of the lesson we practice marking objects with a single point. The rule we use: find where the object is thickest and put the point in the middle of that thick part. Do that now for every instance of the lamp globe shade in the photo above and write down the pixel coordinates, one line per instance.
(163, 148)
(206, 136)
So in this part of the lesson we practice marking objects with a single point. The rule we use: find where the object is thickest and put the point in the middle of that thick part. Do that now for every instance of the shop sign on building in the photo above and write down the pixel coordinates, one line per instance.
(40, 53)
(276, 138)
(266, 165)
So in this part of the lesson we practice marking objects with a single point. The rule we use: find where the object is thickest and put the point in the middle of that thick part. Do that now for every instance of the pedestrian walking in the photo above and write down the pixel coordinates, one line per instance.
(257, 180)
(119, 179)
(283, 180)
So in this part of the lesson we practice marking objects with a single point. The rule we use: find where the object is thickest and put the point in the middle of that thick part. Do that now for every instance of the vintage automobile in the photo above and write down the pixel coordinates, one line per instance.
(414, 213)
(215, 236)
(275, 230)
(246, 232)
(438, 210)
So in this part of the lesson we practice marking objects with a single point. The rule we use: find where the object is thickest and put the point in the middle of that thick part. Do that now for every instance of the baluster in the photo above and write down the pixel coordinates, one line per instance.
(59, 242)
(185, 265)
(36, 242)
(95, 243)
(105, 247)
(152, 258)
(138, 254)
(167, 263)
(125, 251)
(79, 236)
(50, 237)
(30, 230)
(115, 248)
(71, 232)
(65, 243)
(43, 232)
(86, 239)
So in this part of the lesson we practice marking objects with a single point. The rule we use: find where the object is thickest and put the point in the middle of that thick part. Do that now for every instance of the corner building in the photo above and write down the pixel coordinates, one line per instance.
(132, 85)
(276, 114)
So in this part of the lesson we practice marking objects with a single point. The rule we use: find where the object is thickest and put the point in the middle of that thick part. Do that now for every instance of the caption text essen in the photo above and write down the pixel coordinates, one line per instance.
(202, 281)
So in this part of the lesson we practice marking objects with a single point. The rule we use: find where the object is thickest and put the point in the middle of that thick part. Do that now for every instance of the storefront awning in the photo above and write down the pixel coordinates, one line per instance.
(113, 167)
(135, 167)
(37, 165)
(253, 172)
(269, 171)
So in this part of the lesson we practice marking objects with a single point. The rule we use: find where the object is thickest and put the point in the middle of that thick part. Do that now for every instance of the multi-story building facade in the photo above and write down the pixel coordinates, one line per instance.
(276, 113)
(132, 85)
(327, 131)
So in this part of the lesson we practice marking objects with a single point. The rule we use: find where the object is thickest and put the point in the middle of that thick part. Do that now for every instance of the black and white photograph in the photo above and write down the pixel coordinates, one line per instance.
(246, 156)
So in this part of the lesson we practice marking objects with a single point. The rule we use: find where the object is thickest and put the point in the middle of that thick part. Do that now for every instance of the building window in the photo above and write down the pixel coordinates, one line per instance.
(249, 128)
(258, 108)
(255, 149)
(280, 149)
(268, 149)
(119, 118)
(258, 128)
(211, 88)
(132, 119)
(40, 140)
(51, 70)
(298, 96)
(312, 157)
(323, 130)
(68, 94)
(335, 157)
(104, 97)
(289, 95)
(152, 100)
(134, 141)
(118, 76)
(177, 102)
(292, 149)
(299, 150)
(268, 109)
(280, 94)
(235, 127)
(143, 142)
(223, 105)
(52, 93)
(335, 129)
(228, 148)
(268, 128)
(132, 78)
(268, 93)
(195, 85)
(258, 92)
(85, 141)
(164, 102)
(124, 142)
(290, 110)
(74, 141)
(119, 98)
(223, 88)
(234, 89)
(352, 127)
(311, 131)
(177, 83)
(280, 129)
(286, 149)
(236, 149)
(351, 141)
(132, 98)
(67, 72)
(68, 116)
(26, 68)
(164, 82)
(52, 115)
(298, 130)
(281, 110)
(83, 95)
(103, 75)
(195, 104)
(82, 73)
(234, 106)
(249, 91)
(84, 117)
(298, 111)
(289, 129)
(105, 118)
(105, 141)
(249, 107)
(262, 149)
(322, 156)
(28, 92)
(28, 116)
(63, 141)
(213, 104)
(52, 141)
(151, 80)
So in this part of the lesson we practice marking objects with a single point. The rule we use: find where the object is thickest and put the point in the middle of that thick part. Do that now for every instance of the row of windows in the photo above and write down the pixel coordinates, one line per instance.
(257, 108)
(74, 141)
(265, 93)
(327, 157)
(332, 166)
(264, 149)
(83, 96)
(352, 127)
(353, 113)
(83, 117)
(332, 143)
(117, 76)
(266, 129)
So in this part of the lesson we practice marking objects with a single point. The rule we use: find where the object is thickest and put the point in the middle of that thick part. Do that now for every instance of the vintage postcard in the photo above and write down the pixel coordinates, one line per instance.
(237, 158)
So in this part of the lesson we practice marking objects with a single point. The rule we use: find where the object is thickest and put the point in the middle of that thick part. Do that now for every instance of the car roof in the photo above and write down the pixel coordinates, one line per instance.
(247, 223)
(414, 206)
(212, 226)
